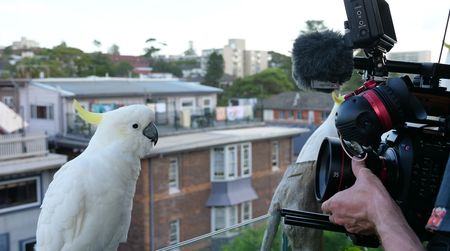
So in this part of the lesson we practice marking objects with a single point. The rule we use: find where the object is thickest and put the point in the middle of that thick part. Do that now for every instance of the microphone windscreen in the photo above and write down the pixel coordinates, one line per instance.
(321, 56)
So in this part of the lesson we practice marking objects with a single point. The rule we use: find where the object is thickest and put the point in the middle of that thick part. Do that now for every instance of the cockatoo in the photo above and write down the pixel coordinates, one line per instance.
(296, 190)
(88, 204)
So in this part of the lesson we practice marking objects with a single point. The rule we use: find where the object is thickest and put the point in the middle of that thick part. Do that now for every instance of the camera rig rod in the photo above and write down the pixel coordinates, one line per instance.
(309, 219)
(434, 70)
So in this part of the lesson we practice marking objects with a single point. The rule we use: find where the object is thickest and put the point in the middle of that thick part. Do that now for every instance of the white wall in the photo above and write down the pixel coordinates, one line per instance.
(33, 95)
(21, 225)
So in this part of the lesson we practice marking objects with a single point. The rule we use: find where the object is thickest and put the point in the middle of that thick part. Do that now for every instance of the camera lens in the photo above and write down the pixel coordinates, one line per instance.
(333, 170)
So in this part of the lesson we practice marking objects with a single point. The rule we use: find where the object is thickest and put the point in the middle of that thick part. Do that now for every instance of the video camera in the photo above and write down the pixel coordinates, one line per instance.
(400, 125)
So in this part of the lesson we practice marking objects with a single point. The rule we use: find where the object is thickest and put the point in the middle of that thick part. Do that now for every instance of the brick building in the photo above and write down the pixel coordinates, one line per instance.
(193, 184)
(304, 107)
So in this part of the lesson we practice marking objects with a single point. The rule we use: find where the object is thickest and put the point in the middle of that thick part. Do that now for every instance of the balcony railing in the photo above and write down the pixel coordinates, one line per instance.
(170, 121)
(14, 146)
(223, 238)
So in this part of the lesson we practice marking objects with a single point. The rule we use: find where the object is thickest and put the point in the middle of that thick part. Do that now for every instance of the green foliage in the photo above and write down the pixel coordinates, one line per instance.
(269, 82)
(314, 25)
(114, 50)
(353, 83)
(65, 61)
(214, 70)
(278, 60)
(340, 242)
(250, 240)
(122, 69)
(163, 66)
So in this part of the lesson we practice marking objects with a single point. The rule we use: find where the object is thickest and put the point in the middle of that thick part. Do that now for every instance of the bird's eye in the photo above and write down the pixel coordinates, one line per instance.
(135, 126)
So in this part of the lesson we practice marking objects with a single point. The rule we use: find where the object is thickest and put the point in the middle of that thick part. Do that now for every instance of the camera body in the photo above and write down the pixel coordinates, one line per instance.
(401, 125)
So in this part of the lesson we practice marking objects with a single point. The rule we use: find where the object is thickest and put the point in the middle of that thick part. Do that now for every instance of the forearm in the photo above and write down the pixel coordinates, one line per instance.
(393, 230)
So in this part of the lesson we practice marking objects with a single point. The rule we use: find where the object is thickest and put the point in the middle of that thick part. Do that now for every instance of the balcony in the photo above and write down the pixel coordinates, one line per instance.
(27, 153)
(179, 121)
(13, 146)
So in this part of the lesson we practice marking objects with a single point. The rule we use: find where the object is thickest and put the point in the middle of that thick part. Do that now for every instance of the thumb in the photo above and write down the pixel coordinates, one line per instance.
(357, 165)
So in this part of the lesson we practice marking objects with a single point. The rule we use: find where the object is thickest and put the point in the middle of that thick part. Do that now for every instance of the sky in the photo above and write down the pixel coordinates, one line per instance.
(264, 24)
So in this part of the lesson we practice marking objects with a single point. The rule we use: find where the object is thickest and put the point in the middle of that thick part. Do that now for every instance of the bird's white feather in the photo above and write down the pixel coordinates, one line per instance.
(88, 204)
(310, 149)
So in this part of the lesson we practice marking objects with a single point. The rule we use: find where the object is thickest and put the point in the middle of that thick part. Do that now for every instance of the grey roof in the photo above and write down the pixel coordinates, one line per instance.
(304, 100)
(95, 87)
(171, 144)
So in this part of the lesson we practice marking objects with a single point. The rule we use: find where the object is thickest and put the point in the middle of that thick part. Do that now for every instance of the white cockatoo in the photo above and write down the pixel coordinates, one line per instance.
(88, 204)
(296, 190)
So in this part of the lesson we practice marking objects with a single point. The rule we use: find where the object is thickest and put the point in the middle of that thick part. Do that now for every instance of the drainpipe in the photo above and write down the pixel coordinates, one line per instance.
(152, 206)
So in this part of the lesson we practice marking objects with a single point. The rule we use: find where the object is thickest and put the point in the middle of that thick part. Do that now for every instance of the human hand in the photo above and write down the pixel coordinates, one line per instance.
(360, 207)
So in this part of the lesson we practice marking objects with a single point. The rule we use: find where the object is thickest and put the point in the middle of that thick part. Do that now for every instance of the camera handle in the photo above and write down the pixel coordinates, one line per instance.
(322, 221)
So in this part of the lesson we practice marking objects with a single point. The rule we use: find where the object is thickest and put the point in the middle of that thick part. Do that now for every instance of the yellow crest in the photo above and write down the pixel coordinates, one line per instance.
(87, 116)
(337, 99)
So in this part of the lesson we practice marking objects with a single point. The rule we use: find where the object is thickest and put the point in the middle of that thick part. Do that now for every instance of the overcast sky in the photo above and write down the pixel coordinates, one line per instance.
(264, 24)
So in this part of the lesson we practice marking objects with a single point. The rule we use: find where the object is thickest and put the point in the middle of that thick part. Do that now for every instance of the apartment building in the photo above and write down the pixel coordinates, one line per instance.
(238, 62)
(26, 169)
(46, 104)
(301, 108)
(193, 184)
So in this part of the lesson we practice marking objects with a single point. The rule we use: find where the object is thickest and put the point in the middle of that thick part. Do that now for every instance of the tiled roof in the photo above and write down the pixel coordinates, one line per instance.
(98, 87)
(304, 100)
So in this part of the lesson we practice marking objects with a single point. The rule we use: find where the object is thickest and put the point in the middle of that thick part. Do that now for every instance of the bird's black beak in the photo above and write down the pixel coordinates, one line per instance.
(151, 132)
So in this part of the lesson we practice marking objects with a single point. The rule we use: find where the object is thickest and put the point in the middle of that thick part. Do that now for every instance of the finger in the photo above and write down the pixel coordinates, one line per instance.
(357, 165)
(326, 206)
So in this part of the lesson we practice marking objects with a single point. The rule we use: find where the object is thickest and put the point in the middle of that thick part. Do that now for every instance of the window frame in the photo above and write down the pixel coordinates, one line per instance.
(49, 111)
(174, 187)
(229, 158)
(250, 210)
(230, 212)
(177, 231)
(249, 161)
(275, 154)
(38, 201)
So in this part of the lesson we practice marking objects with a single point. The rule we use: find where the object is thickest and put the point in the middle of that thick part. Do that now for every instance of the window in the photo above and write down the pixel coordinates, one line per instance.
(27, 245)
(223, 217)
(218, 163)
(173, 176)
(224, 163)
(231, 162)
(299, 115)
(325, 115)
(246, 211)
(291, 114)
(4, 241)
(174, 232)
(246, 160)
(275, 155)
(19, 194)
(187, 104)
(8, 100)
(42, 112)
(282, 115)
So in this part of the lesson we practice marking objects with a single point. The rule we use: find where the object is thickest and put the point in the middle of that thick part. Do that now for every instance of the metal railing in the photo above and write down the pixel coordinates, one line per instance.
(18, 146)
(241, 226)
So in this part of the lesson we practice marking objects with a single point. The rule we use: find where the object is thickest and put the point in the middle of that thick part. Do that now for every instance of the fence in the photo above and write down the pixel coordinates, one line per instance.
(17, 146)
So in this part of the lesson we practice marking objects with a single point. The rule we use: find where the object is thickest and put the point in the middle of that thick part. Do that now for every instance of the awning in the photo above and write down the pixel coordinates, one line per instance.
(232, 192)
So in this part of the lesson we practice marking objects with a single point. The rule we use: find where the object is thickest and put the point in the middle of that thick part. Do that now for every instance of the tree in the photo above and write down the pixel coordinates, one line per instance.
(214, 69)
(314, 25)
(114, 50)
(269, 82)
(122, 69)
(97, 44)
(283, 62)
(167, 67)
(151, 49)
